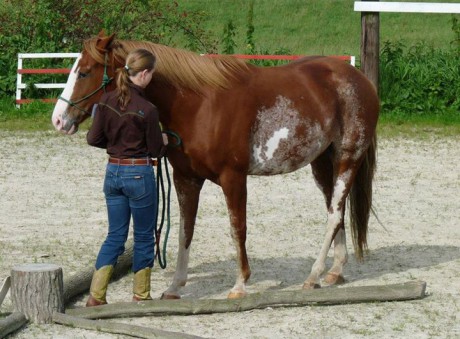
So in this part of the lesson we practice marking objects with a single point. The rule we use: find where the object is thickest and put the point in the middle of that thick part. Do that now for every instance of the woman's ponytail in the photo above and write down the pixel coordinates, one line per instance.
(122, 81)
(136, 61)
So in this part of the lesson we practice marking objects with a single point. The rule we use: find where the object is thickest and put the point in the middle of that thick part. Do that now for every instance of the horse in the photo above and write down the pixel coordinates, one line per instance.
(235, 119)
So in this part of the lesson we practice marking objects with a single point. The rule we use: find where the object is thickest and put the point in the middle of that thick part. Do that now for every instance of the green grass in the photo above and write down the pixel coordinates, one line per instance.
(37, 117)
(419, 126)
(317, 26)
(300, 27)
(31, 117)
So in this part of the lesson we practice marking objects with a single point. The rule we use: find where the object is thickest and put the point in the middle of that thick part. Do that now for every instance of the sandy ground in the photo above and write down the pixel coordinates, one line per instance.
(52, 210)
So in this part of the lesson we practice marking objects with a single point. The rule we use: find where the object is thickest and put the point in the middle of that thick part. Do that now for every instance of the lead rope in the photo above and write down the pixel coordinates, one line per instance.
(166, 203)
(165, 208)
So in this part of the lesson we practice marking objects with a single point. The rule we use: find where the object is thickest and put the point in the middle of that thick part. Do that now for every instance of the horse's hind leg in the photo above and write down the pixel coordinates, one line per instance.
(323, 173)
(344, 168)
(188, 193)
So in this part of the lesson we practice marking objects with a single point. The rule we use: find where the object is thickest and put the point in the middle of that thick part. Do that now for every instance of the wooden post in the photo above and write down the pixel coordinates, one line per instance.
(37, 291)
(370, 45)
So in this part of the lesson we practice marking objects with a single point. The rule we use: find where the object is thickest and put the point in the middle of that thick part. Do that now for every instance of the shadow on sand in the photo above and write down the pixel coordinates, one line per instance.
(218, 277)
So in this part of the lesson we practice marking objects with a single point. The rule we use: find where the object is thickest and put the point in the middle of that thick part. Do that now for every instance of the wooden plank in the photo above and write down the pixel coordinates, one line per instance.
(44, 71)
(53, 85)
(47, 55)
(277, 57)
(324, 296)
(80, 282)
(117, 328)
(4, 289)
(28, 101)
(406, 7)
(49, 85)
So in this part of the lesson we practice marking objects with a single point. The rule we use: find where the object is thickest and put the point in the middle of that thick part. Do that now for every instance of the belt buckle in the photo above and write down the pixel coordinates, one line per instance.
(133, 162)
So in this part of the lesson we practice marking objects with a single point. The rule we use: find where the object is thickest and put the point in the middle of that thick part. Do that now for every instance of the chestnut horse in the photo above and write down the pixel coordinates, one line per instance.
(235, 120)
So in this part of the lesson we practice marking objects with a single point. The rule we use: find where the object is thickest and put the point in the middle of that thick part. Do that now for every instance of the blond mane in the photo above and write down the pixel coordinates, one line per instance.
(177, 67)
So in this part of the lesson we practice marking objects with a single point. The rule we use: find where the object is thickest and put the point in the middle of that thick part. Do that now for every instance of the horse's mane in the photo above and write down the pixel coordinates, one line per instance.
(177, 67)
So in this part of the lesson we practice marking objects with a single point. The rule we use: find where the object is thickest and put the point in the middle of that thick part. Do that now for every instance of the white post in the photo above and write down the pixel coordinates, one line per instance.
(19, 80)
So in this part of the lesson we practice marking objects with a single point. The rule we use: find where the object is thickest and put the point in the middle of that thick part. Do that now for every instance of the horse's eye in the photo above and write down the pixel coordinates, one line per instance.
(82, 75)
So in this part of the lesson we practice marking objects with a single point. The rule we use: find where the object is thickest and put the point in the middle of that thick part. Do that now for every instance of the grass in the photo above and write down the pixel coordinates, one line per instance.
(29, 117)
(317, 27)
(419, 126)
(300, 27)
(37, 117)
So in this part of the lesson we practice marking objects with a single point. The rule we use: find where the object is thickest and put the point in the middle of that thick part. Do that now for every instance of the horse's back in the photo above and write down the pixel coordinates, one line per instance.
(337, 81)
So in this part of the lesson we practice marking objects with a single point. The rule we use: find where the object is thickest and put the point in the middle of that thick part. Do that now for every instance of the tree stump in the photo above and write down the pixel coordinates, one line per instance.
(37, 291)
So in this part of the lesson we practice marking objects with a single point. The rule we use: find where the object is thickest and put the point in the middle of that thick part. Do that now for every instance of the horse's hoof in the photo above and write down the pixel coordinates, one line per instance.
(169, 297)
(308, 285)
(236, 295)
(334, 279)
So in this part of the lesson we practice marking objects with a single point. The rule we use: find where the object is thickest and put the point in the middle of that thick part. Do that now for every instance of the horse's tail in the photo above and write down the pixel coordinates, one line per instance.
(360, 200)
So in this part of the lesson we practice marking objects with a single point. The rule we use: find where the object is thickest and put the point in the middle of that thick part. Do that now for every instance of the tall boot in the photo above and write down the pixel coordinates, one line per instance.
(141, 285)
(98, 289)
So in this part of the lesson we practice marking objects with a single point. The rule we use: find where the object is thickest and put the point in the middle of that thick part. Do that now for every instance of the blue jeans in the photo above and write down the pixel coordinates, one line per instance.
(129, 191)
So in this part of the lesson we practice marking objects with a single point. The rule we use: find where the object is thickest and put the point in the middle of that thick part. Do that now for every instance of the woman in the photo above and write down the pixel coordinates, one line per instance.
(127, 125)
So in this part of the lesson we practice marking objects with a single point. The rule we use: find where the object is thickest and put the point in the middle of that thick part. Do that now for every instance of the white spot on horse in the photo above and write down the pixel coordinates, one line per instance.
(271, 146)
(283, 139)
(274, 141)
(339, 189)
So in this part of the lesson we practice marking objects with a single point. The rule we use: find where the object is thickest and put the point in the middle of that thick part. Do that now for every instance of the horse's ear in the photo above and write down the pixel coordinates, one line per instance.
(101, 34)
(104, 42)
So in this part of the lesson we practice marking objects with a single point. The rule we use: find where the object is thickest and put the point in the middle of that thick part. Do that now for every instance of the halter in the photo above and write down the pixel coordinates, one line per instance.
(105, 82)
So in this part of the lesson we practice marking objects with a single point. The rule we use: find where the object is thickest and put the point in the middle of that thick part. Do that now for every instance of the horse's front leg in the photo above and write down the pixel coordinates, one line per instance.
(188, 193)
(234, 187)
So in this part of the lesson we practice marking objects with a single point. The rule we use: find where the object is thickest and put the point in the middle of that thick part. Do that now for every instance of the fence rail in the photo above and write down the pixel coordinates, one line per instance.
(21, 71)
(350, 58)
(406, 7)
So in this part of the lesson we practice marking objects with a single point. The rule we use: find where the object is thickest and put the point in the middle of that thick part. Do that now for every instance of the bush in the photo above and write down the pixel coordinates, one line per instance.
(419, 79)
(31, 26)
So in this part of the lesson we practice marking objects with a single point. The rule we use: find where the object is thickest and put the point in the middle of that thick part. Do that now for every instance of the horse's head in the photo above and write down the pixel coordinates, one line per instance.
(90, 76)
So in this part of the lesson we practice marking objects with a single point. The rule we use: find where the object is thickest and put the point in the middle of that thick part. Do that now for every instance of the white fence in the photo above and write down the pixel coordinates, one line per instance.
(22, 71)
(406, 7)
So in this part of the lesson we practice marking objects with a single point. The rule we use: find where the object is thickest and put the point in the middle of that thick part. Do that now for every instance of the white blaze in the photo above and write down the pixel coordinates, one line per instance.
(61, 106)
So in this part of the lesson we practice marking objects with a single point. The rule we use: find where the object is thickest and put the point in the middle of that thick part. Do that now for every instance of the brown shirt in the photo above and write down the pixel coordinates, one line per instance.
(133, 133)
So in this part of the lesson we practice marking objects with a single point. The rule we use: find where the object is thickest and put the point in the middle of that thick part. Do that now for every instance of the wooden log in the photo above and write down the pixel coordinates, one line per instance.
(37, 291)
(117, 328)
(4, 289)
(11, 323)
(325, 296)
(370, 46)
(81, 281)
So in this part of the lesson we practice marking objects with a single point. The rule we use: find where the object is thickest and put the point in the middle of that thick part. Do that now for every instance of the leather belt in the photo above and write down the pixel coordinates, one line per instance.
(133, 161)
